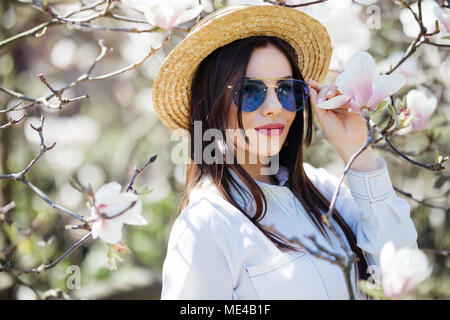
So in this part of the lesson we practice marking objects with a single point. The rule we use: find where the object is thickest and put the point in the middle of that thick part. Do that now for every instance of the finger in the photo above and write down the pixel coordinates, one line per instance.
(342, 109)
(314, 84)
(317, 111)
(313, 96)
(322, 94)
(331, 92)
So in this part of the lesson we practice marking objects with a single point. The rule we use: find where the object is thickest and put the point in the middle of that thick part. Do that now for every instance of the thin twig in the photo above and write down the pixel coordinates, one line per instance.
(423, 33)
(42, 28)
(367, 143)
(437, 166)
(83, 78)
(44, 267)
(138, 171)
(20, 176)
(344, 263)
(410, 196)
(12, 122)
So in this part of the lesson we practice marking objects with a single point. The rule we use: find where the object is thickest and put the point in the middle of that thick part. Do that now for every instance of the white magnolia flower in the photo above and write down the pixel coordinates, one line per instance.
(361, 86)
(402, 270)
(110, 200)
(421, 107)
(409, 68)
(166, 14)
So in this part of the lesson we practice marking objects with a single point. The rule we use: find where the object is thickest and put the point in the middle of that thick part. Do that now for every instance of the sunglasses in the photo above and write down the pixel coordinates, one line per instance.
(292, 93)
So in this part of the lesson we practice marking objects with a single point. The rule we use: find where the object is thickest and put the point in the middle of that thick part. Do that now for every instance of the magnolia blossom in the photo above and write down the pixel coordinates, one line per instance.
(443, 16)
(166, 14)
(409, 68)
(421, 108)
(361, 86)
(402, 270)
(109, 200)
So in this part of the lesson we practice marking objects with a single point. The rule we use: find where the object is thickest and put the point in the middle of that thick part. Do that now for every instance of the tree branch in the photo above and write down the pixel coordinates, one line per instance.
(9, 265)
(40, 30)
(21, 175)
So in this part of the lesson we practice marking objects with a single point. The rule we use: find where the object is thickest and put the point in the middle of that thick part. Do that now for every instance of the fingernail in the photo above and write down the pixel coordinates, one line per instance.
(320, 100)
(329, 92)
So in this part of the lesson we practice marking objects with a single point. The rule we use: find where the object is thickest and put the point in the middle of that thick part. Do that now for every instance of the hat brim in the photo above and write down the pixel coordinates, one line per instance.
(172, 85)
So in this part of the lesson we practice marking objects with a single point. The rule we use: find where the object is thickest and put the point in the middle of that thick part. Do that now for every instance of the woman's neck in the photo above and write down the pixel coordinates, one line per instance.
(254, 170)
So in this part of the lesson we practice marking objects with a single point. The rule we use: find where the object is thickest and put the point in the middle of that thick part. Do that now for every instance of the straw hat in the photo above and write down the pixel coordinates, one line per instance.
(172, 85)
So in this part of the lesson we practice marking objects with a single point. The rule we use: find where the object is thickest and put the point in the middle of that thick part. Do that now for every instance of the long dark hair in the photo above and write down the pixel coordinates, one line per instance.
(210, 103)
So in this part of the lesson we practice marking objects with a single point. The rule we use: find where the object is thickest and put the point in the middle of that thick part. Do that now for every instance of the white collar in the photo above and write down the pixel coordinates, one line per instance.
(245, 198)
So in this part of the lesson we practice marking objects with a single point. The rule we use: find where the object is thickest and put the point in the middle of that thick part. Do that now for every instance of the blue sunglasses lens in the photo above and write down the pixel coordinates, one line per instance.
(253, 94)
(292, 94)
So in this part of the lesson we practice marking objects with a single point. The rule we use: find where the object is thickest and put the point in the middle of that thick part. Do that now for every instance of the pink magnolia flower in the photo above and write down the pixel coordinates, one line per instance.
(110, 200)
(361, 86)
(421, 108)
(402, 270)
(443, 16)
(409, 68)
(166, 14)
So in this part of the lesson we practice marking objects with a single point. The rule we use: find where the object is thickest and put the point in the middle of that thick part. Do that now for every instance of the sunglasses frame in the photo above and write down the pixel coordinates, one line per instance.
(231, 86)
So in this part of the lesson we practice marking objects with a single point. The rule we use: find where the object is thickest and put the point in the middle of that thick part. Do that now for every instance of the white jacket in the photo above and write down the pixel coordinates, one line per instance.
(215, 252)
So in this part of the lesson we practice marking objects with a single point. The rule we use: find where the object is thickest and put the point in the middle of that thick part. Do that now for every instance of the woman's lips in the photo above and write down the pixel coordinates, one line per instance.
(271, 131)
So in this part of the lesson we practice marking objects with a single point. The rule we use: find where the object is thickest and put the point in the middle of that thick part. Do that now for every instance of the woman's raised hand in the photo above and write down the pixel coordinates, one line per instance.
(344, 129)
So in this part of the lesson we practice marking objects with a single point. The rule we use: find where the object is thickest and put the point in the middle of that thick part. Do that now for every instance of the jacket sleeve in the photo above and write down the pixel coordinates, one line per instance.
(196, 266)
(372, 210)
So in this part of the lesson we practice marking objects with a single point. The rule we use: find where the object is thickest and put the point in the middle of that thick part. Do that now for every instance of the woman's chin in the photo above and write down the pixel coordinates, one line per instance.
(269, 151)
(268, 148)
(258, 152)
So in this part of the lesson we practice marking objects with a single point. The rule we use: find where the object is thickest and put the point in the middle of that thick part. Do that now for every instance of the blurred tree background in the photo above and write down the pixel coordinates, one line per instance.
(103, 137)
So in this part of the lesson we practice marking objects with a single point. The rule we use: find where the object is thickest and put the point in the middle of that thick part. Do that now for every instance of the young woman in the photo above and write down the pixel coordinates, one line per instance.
(232, 238)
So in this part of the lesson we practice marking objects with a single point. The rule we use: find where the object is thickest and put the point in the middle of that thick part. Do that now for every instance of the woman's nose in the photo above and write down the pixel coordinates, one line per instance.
(272, 105)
